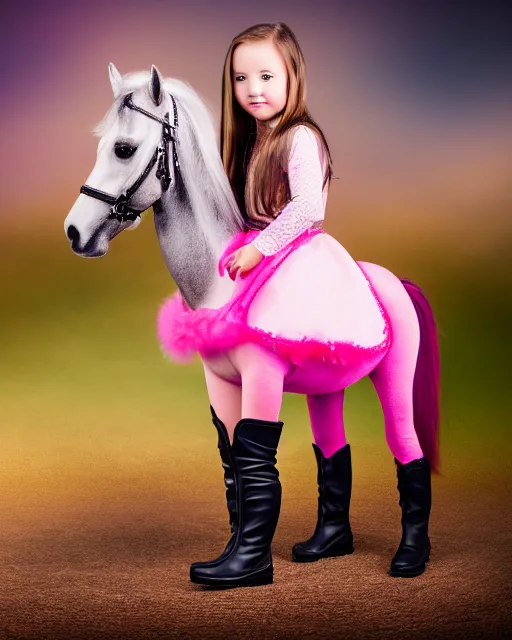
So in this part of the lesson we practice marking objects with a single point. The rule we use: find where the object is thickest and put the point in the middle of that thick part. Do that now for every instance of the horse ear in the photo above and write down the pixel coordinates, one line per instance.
(155, 86)
(115, 79)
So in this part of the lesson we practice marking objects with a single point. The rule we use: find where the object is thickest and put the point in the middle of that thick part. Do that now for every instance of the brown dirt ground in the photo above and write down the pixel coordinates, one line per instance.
(106, 556)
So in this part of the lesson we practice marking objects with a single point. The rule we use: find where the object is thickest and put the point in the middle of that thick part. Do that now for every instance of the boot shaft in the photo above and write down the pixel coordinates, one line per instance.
(414, 488)
(258, 487)
(228, 467)
(334, 485)
(249, 462)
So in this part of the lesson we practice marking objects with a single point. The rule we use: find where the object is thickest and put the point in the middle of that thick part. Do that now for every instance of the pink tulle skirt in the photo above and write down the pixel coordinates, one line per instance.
(308, 302)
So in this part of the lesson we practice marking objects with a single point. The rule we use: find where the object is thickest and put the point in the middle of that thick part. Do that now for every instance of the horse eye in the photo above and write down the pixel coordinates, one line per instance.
(124, 151)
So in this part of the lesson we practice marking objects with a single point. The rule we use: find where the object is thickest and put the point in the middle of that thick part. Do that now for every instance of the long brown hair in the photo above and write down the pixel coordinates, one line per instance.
(263, 193)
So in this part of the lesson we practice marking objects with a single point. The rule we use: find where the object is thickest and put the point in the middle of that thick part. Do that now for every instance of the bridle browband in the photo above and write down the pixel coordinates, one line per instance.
(120, 206)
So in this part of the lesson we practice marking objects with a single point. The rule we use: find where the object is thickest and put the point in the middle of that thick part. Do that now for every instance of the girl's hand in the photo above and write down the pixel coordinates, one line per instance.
(243, 260)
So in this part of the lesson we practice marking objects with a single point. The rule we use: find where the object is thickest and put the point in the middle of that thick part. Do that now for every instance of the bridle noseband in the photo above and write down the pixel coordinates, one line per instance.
(120, 206)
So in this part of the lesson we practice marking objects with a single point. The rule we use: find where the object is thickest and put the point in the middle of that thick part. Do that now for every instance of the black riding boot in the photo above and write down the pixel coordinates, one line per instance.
(332, 536)
(258, 495)
(229, 482)
(414, 486)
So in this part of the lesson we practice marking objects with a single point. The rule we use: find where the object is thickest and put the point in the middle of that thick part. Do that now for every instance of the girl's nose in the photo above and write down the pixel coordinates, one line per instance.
(254, 90)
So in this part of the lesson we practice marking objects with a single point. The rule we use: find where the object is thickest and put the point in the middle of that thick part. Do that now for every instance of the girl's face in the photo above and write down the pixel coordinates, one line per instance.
(260, 79)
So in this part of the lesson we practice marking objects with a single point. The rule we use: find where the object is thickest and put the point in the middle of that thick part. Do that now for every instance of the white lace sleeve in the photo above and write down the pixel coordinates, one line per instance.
(305, 177)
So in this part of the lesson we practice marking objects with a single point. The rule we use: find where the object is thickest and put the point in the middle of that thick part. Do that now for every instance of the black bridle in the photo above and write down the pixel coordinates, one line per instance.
(120, 206)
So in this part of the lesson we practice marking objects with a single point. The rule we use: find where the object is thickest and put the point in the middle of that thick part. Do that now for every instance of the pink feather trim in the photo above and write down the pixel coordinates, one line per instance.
(183, 332)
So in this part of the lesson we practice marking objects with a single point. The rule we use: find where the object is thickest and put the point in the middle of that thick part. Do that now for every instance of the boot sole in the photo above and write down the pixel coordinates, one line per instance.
(253, 580)
(332, 553)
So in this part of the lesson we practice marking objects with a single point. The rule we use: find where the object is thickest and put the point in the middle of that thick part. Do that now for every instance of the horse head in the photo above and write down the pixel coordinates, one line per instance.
(133, 166)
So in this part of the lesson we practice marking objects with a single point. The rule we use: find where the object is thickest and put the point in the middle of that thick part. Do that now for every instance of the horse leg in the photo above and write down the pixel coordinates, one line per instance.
(225, 399)
(262, 374)
(394, 376)
(332, 535)
(326, 417)
(393, 380)
(253, 452)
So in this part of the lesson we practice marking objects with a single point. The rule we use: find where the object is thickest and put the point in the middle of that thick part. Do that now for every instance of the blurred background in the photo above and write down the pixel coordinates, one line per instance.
(415, 101)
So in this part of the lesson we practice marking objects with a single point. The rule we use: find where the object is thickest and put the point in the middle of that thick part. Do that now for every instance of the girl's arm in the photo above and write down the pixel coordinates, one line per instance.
(305, 177)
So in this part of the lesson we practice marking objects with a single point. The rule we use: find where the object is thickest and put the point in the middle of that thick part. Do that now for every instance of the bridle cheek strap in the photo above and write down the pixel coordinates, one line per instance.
(120, 208)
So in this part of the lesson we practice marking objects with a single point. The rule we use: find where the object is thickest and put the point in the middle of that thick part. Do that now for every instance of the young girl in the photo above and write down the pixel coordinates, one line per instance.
(264, 118)
(279, 165)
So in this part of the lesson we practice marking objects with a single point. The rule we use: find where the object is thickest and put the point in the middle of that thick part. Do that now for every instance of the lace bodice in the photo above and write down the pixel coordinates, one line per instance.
(307, 204)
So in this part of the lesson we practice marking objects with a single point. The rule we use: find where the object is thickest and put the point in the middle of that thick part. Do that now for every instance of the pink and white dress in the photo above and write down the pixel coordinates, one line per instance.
(307, 300)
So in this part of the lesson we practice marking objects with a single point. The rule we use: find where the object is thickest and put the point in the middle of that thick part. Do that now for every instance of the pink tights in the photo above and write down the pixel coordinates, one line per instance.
(260, 396)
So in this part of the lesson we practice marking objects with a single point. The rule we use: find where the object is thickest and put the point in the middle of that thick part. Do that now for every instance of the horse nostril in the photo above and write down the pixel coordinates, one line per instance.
(73, 235)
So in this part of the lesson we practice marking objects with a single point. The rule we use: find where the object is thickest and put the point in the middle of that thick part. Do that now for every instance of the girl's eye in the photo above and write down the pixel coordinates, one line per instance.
(239, 78)
(266, 76)
(123, 150)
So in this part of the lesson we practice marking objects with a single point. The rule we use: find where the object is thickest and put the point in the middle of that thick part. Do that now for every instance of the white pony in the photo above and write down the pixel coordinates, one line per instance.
(158, 148)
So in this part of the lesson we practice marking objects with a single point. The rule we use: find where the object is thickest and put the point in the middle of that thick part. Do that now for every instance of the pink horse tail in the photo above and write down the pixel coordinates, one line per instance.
(426, 387)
